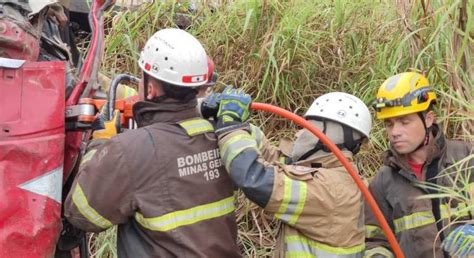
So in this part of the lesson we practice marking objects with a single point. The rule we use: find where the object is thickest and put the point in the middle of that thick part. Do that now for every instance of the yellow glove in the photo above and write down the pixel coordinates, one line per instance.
(106, 129)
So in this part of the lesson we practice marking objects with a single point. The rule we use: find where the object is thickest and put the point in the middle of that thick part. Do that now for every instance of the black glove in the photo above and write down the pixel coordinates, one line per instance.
(210, 106)
(70, 237)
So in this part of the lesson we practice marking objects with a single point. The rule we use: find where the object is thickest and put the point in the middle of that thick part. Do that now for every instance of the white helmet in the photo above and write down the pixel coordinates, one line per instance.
(343, 108)
(176, 57)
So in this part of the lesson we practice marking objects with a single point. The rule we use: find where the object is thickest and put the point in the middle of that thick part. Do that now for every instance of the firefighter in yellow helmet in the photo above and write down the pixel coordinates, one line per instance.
(418, 153)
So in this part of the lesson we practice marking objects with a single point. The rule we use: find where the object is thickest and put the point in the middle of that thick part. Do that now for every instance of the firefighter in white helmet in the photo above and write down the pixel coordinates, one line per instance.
(164, 184)
(316, 199)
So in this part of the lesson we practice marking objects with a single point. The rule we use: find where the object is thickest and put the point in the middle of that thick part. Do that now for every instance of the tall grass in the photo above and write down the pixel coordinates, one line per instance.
(289, 52)
(459, 194)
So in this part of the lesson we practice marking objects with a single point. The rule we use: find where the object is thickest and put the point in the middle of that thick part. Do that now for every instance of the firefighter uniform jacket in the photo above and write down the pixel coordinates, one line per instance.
(413, 219)
(321, 208)
(164, 185)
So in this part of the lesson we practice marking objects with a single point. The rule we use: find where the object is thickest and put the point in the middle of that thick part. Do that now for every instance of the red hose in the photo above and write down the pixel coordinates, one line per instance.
(370, 199)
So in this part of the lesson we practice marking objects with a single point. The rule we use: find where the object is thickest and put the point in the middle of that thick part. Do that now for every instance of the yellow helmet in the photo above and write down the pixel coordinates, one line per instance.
(402, 94)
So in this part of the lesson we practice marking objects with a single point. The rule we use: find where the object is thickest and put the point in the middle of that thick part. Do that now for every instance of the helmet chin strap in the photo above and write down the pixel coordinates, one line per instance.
(426, 140)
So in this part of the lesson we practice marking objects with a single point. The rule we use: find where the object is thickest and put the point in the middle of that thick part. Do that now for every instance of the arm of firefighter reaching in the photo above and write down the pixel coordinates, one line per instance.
(257, 178)
(236, 143)
(240, 154)
(377, 245)
(101, 193)
(240, 149)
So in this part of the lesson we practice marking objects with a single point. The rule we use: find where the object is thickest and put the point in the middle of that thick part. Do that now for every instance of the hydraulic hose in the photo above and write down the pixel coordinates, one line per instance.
(337, 152)
(113, 91)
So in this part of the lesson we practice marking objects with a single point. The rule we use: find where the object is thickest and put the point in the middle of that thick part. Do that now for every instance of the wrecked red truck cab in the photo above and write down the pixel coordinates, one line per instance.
(32, 138)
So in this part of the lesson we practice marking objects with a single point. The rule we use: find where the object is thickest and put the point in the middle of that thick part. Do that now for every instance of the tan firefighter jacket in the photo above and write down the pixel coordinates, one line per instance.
(163, 184)
(321, 208)
(413, 220)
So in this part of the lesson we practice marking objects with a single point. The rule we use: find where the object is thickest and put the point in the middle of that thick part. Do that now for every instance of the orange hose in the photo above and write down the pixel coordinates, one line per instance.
(370, 199)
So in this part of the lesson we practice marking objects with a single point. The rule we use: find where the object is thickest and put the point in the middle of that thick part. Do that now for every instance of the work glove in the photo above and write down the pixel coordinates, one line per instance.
(460, 242)
(70, 237)
(103, 128)
(234, 111)
(210, 106)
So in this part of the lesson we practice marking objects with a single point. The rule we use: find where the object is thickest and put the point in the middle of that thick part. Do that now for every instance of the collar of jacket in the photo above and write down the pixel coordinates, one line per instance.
(146, 112)
(327, 161)
(436, 149)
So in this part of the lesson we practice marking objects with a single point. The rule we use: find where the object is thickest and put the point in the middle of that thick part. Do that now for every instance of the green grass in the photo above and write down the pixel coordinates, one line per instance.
(103, 244)
(287, 53)
(459, 176)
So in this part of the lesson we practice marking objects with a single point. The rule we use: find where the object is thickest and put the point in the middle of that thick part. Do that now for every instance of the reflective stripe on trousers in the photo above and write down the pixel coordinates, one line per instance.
(299, 246)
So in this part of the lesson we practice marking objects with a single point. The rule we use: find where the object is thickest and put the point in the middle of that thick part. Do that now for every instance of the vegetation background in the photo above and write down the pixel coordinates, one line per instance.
(287, 53)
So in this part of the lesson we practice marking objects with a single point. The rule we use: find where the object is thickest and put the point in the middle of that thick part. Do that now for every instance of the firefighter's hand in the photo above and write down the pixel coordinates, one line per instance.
(104, 128)
(210, 106)
(234, 111)
(234, 105)
(460, 242)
